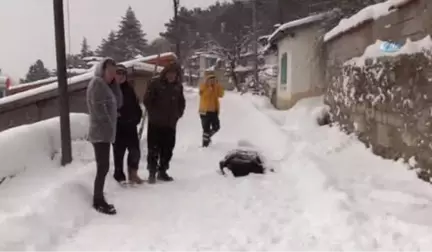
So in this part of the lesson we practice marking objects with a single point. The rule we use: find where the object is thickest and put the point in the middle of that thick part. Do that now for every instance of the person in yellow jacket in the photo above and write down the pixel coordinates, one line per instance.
(210, 91)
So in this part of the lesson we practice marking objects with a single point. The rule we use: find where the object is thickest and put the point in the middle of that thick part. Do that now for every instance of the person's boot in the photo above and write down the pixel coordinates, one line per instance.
(152, 177)
(100, 205)
(133, 177)
(206, 142)
(163, 176)
(120, 177)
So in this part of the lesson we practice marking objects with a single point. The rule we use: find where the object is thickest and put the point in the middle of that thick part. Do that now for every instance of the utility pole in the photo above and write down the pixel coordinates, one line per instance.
(279, 5)
(66, 154)
(255, 42)
(176, 24)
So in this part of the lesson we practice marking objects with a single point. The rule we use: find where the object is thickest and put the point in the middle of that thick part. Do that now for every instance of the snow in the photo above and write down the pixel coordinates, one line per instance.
(93, 58)
(296, 23)
(78, 70)
(39, 142)
(371, 12)
(241, 69)
(328, 192)
(139, 62)
(374, 51)
(34, 83)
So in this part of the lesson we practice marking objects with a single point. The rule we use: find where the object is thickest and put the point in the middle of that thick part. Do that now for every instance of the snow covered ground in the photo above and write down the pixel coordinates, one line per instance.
(328, 193)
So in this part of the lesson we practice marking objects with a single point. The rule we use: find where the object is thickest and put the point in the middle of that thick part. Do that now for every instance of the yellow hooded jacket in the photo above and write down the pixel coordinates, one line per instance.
(210, 91)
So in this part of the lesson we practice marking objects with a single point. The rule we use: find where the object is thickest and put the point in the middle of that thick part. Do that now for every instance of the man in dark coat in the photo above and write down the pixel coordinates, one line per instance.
(165, 103)
(127, 136)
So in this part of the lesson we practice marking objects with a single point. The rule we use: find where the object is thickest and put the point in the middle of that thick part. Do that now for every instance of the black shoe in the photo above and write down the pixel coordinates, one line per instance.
(103, 207)
(163, 176)
(120, 177)
(152, 178)
(206, 143)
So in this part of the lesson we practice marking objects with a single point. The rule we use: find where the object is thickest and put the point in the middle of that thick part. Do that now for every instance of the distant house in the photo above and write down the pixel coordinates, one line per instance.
(5, 83)
(298, 46)
(200, 62)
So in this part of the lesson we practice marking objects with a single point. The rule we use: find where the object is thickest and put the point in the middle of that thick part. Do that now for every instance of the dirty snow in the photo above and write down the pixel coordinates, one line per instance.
(328, 193)
(371, 12)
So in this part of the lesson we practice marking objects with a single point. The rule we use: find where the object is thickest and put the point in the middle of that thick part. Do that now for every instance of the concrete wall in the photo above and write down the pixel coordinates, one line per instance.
(45, 105)
(390, 112)
(305, 72)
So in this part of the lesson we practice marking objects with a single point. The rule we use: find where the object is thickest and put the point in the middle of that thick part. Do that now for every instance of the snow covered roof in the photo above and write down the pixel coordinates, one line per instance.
(35, 83)
(77, 70)
(77, 79)
(277, 34)
(93, 58)
(371, 12)
(375, 50)
(146, 67)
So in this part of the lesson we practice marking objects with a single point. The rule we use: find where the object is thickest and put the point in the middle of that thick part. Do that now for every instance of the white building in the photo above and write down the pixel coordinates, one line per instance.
(298, 46)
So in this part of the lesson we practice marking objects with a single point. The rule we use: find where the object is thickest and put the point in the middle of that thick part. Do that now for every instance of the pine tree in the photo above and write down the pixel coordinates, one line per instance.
(131, 39)
(37, 71)
(110, 47)
(85, 49)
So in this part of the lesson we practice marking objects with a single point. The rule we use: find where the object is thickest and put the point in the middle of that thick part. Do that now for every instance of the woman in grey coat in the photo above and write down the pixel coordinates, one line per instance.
(103, 99)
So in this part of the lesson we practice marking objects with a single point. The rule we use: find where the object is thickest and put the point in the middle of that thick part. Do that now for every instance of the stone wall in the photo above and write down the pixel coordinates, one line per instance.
(412, 20)
(388, 102)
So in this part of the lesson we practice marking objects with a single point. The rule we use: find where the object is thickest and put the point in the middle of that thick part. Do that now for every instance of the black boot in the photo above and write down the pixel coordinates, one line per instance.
(206, 142)
(120, 177)
(163, 176)
(102, 206)
(152, 177)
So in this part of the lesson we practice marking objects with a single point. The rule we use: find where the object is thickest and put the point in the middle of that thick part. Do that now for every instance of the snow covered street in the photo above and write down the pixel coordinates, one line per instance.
(328, 193)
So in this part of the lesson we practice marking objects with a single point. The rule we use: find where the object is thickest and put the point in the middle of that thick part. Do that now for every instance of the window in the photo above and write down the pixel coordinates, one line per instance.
(284, 69)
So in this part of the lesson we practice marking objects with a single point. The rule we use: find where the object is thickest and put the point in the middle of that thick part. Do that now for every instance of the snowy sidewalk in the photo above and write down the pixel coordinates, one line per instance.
(328, 193)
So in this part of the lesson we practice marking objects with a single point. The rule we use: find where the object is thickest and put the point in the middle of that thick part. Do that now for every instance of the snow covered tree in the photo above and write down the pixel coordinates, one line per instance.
(37, 71)
(130, 37)
(85, 49)
(110, 47)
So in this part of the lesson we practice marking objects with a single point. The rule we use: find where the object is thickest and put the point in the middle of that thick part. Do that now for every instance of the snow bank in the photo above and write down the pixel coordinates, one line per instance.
(38, 143)
(371, 12)
(374, 51)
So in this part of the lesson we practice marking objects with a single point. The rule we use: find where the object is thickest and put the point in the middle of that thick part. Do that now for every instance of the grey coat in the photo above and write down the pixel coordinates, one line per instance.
(103, 101)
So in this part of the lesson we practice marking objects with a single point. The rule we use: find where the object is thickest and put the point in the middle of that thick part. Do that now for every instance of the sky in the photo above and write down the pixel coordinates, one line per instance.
(27, 27)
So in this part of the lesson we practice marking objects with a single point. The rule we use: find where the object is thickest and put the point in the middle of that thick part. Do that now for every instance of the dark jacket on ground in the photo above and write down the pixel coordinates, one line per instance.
(130, 113)
(165, 102)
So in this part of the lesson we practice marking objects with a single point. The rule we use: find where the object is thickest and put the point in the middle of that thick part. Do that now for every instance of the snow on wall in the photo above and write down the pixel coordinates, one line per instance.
(371, 12)
(386, 99)
(24, 146)
(77, 79)
(374, 51)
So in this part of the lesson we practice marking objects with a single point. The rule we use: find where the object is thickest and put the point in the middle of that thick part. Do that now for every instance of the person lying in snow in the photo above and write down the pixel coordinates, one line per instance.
(243, 162)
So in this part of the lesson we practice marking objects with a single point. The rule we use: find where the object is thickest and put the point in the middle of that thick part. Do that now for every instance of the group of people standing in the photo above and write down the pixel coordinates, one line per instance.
(115, 112)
